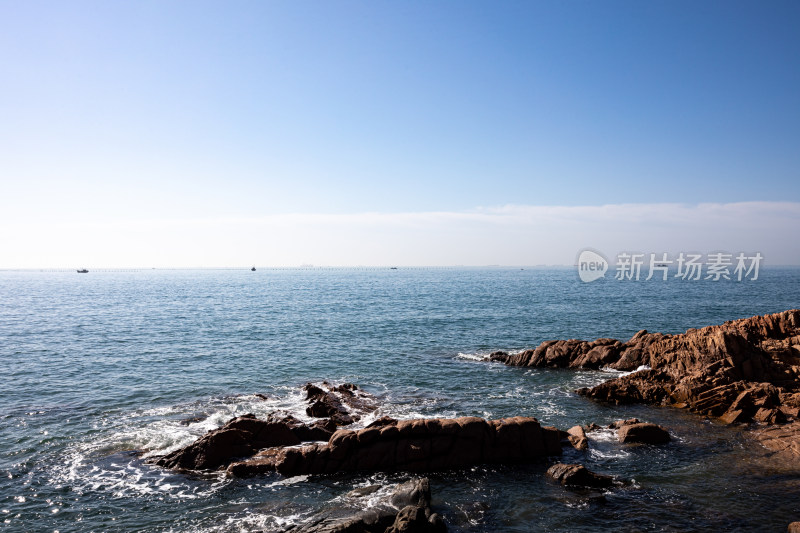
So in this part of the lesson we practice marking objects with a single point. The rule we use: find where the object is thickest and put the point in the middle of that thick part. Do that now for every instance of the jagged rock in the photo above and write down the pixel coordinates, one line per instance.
(643, 433)
(577, 437)
(499, 356)
(321, 430)
(407, 509)
(344, 404)
(240, 437)
(740, 370)
(619, 423)
(769, 416)
(576, 475)
(420, 445)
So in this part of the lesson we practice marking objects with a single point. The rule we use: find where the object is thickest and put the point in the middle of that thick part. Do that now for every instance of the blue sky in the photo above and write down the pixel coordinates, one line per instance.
(125, 113)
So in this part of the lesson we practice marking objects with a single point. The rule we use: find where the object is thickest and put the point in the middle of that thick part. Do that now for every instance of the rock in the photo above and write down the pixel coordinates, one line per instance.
(619, 423)
(420, 445)
(782, 441)
(344, 404)
(740, 370)
(643, 433)
(240, 437)
(499, 356)
(576, 475)
(794, 527)
(769, 416)
(407, 509)
(577, 437)
(734, 416)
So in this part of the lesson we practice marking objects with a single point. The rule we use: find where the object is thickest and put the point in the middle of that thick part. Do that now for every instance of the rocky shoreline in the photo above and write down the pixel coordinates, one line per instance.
(741, 372)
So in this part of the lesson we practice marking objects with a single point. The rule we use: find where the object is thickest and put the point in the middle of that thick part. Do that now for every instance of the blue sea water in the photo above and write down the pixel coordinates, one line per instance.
(106, 369)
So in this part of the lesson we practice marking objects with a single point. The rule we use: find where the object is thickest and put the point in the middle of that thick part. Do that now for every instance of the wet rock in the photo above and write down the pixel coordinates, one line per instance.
(499, 356)
(643, 432)
(420, 445)
(619, 423)
(407, 509)
(240, 437)
(577, 437)
(344, 404)
(192, 420)
(577, 475)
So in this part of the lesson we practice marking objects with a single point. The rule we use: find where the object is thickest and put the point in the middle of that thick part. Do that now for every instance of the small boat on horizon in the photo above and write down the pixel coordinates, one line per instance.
(83, 271)
(253, 269)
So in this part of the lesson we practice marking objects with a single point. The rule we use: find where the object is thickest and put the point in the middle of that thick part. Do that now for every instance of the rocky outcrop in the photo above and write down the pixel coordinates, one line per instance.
(344, 404)
(407, 509)
(576, 475)
(242, 437)
(742, 370)
(421, 445)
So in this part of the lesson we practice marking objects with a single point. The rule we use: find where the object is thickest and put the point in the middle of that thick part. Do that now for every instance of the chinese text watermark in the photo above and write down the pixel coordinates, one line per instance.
(716, 266)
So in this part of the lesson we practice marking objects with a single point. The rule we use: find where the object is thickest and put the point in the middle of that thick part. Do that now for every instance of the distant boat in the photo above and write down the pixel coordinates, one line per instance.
(253, 269)
(392, 268)
(83, 271)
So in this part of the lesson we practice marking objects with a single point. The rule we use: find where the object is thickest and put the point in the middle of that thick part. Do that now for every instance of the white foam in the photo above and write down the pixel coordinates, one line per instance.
(621, 373)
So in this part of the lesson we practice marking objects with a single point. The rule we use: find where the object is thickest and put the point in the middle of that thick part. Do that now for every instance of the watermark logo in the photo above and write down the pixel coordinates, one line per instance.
(686, 266)
(591, 265)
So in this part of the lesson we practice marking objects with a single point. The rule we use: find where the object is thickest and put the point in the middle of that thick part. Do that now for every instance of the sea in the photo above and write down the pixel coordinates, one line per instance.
(105, 370)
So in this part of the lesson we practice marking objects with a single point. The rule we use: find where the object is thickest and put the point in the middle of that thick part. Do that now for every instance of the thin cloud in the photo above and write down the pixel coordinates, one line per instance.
(510, 234)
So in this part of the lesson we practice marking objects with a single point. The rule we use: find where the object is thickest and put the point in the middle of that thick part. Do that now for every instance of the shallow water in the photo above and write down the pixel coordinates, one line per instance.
(104, 367)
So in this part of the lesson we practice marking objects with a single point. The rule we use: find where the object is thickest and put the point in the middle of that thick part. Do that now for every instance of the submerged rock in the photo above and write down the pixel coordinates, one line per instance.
(644, 433)
(576, 475)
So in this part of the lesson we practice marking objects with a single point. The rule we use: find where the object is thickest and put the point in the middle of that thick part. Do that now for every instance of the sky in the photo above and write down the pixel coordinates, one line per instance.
(190, 133)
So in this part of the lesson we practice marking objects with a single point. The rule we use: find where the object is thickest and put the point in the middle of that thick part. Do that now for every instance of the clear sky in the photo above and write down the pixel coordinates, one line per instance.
(189, 133)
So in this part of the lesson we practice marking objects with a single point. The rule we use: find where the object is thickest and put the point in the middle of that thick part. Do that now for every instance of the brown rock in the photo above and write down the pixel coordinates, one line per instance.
(576, 475)
(240, 437)
(416, 445)
(619, 423)
(406, 510)
(737, 370)
(794, 527)
(643, 433)
(783, 441)
(577, 437)
(769, 416)
(343, 404)
(734, 416)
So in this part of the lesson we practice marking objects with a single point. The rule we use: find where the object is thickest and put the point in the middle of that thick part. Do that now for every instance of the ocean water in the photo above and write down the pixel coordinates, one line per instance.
(106, 369)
